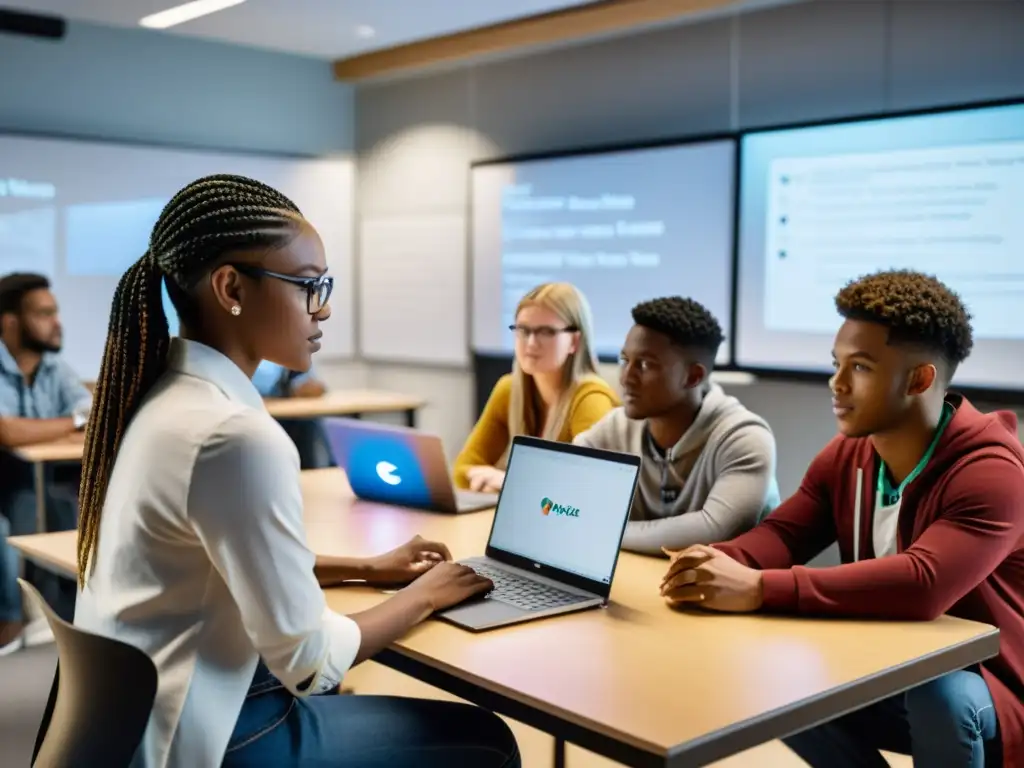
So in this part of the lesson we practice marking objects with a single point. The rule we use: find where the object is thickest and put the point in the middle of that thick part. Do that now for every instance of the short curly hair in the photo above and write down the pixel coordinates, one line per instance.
(686, 322)
(917, 309)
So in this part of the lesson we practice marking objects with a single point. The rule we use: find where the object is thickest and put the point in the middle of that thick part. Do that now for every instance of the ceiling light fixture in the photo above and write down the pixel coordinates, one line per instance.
(186, 12)
(365, 31)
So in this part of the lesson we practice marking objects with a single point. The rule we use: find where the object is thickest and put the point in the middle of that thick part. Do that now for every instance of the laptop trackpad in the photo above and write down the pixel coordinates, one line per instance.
(482, 613)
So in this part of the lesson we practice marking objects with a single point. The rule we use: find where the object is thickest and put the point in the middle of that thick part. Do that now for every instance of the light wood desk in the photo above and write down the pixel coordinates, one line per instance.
(636, 682)
(345, 402)
(41, 456)
(337, 403)
(354, 403)
(70, 450)
(55, 551)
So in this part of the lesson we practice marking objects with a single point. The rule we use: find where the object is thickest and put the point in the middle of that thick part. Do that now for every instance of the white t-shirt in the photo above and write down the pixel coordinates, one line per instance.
(884, 526)
(885, 522)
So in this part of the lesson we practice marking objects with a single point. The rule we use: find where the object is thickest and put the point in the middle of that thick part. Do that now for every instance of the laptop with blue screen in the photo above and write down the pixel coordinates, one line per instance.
(555, 539)
(398, 465)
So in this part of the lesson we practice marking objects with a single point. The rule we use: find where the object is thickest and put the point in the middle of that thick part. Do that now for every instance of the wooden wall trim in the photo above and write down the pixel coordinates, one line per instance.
(575, 23)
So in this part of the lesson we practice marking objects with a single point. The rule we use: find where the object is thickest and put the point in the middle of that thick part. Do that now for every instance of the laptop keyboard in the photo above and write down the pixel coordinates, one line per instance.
(524, 594)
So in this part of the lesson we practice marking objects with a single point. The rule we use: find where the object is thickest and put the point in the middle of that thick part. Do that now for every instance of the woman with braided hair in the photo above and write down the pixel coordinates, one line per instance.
(191, 539)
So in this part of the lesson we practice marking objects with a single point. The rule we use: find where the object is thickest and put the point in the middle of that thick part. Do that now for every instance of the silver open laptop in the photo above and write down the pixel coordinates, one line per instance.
(398, 465)
(556, 534)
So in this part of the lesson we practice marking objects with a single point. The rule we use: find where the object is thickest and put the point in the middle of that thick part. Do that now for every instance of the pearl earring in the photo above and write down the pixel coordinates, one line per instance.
(236, 310)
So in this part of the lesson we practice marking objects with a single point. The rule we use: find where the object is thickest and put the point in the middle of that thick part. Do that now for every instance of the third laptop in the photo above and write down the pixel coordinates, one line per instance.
(398, 465)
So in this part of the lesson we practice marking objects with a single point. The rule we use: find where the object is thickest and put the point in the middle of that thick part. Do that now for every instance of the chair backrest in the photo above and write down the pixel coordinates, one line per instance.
(100, 701)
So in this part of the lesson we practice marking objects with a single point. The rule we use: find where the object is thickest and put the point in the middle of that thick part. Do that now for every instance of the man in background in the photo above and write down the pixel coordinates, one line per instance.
(708, 470)
(271, 380)
(42, 399)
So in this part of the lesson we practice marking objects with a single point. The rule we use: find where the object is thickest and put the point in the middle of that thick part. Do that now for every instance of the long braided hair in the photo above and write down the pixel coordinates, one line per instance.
(204, 222)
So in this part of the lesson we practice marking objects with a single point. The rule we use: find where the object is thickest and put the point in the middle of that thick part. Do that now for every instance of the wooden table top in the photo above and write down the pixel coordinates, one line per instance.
(669, 683)
(336, 403)
(68, 449)
(342, 402)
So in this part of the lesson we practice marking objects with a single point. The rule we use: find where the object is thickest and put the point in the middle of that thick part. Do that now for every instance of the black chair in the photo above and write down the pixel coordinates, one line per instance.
(100, 700)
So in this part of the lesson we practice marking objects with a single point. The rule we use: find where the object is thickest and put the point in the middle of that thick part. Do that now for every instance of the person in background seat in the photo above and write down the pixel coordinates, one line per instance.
(553, 392)
(271, 380)
(708, 469)
(42, 399)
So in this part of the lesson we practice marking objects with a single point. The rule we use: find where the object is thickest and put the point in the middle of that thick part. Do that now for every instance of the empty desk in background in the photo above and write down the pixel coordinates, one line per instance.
(636, 682)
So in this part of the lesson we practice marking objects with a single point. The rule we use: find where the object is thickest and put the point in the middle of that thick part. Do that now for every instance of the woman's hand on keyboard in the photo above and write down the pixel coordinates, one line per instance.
(448, 584)
(407, 562)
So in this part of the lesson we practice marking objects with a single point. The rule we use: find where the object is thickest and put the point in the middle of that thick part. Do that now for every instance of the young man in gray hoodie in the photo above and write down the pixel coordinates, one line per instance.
(708, 471)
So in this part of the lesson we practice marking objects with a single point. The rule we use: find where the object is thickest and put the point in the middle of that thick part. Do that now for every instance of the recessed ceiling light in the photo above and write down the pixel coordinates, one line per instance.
(186, 12)
(365, 31)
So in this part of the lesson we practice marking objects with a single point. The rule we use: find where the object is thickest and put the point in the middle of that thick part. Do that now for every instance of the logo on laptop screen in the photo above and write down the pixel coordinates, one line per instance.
(386, 472)
(548, 507)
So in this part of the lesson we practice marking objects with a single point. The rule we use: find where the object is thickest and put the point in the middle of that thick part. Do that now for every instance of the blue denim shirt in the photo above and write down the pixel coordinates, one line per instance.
(270, 382)
(55, 392)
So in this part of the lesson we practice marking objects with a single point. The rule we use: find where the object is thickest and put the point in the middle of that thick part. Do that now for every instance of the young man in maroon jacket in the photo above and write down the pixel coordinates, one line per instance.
(925, 496)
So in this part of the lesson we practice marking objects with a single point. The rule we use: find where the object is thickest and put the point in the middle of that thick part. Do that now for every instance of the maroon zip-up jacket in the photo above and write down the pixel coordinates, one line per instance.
(960, 545)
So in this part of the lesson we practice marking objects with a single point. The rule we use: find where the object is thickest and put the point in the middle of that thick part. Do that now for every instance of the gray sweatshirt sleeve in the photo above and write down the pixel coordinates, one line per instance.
(745, 478)
(599, 435)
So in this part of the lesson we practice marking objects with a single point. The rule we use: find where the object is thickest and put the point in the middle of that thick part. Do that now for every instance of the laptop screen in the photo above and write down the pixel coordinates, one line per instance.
(564, 510)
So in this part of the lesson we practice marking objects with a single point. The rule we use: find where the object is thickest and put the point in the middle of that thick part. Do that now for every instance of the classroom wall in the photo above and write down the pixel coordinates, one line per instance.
(140, 85)
(829, 58)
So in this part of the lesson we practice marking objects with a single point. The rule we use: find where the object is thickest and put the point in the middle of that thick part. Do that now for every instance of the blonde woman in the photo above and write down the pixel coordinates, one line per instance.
(553, 392)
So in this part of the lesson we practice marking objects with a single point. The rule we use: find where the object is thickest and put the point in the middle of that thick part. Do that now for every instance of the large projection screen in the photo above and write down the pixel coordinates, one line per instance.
(80, 212)
(939, 193)
(623, 226)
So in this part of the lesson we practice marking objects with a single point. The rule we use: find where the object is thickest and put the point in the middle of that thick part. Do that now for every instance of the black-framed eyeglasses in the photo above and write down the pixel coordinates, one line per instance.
(542, 332)
(318, 289)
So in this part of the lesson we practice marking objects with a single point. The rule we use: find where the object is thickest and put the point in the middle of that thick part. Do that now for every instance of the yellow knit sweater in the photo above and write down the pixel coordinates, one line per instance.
(591, 400)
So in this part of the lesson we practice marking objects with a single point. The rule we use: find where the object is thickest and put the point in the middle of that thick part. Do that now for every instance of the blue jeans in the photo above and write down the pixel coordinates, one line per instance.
(947, 723)
(276, 729)
(10, 598)
(18, 513)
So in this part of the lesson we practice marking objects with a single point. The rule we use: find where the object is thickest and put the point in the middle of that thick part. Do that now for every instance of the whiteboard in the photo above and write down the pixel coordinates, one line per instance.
(413, 289)
(80, 212)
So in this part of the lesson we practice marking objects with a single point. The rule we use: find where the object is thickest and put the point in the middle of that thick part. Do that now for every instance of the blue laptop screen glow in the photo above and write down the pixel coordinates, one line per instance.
(387, 469)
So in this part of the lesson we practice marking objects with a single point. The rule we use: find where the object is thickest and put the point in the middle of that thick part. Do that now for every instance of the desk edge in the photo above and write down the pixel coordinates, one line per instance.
(616, 745)
(837, 702)
(40, 560)
(717, 745)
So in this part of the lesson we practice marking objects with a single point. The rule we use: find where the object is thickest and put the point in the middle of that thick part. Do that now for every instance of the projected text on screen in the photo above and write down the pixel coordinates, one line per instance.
(947, 211)
(623, 227)
(544, 240)
(937, 193)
